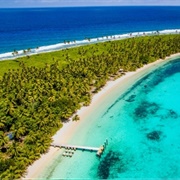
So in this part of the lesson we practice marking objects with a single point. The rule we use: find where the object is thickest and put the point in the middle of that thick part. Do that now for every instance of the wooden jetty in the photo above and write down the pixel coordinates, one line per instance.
(98, 151)
(75, 147)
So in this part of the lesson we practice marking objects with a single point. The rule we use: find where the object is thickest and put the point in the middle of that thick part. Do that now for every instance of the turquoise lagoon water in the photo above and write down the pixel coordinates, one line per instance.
(143, 131)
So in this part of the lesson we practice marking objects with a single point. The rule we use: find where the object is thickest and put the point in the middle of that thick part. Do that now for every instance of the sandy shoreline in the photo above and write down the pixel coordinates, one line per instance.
(116, 87)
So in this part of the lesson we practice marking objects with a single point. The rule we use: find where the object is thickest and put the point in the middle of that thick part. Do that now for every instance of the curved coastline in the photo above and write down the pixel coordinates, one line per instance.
(71, 44)
(103, 99)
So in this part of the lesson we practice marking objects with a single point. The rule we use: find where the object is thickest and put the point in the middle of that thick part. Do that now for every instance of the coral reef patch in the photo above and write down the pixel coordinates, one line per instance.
(113, 161)
(154, 135)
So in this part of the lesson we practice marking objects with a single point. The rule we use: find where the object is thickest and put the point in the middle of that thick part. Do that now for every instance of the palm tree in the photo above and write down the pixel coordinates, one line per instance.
(15, 52)
(76, 118)
(3, 139)
(29, 50)
(24, 51)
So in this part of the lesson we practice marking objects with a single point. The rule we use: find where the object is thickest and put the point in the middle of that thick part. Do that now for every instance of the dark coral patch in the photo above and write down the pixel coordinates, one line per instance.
(154, 135)
(112, 159)
(172, 114)
(145, 109)
(131, 98)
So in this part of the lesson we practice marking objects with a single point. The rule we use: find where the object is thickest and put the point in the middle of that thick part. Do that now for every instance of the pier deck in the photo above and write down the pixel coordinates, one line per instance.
(75, 147)
(98, 151)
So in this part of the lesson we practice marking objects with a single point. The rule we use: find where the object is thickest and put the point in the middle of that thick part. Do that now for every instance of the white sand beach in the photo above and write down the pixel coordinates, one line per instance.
(117, 87)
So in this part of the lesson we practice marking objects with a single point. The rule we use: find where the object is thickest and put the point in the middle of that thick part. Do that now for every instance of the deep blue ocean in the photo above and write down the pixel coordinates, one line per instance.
(35, 27)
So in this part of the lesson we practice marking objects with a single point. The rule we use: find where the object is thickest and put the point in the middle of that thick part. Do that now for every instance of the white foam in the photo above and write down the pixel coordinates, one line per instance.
(59, 46)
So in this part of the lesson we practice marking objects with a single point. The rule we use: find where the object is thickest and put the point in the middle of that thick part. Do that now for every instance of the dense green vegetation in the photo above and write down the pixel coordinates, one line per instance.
(38, 95)
(40, 60)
